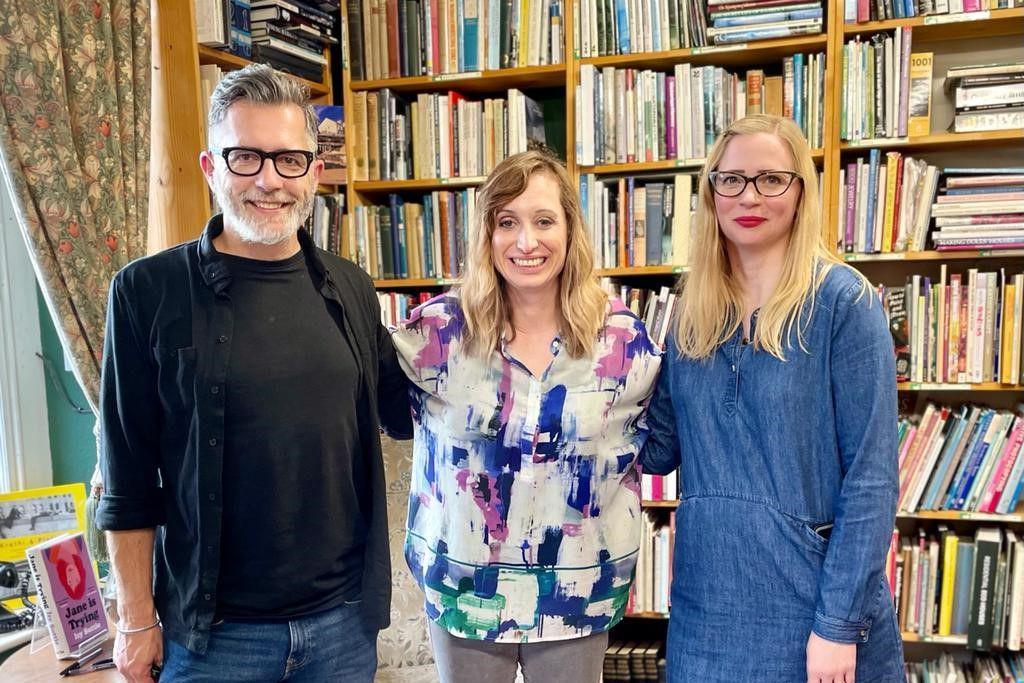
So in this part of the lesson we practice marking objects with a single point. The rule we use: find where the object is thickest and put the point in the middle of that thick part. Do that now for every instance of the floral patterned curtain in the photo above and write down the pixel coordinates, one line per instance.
(74, 135)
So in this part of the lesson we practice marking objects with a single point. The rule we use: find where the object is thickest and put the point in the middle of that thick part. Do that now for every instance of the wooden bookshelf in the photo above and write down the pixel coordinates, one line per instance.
(647, 615)
(939, 141)
(985, 24)
(416, 185)
(547, 76)
(230, 62)
(934, 255)
(740, 54)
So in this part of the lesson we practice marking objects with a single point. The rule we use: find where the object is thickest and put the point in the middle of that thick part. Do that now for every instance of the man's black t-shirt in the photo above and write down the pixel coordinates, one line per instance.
(292, 539)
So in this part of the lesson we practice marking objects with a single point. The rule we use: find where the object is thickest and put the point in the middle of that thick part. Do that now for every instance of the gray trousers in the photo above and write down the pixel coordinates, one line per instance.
(460, 660)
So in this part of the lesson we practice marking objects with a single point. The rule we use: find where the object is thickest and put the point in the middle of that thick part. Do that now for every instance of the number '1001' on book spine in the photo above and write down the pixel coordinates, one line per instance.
(68, 592)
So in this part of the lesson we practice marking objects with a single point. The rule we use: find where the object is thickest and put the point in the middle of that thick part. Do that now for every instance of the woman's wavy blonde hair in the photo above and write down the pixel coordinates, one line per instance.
(485, 306)
(711, 298)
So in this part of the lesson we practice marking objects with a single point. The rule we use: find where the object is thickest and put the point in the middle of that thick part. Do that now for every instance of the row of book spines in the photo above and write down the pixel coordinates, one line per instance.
(407, 240)
(659, 487)
(948, 585)
(608, 27)
(438, 135)
(968, 459)
(653, 576)
(880, 213)
(641, 225)
(634, 661)
(883, 10)
(876, 88)
(958, 332)
(1004, 666)
(678, 115)
(396, 38)
(396, 306)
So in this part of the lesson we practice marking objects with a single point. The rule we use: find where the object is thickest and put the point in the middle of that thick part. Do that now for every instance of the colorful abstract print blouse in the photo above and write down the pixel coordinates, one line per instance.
(524, 510)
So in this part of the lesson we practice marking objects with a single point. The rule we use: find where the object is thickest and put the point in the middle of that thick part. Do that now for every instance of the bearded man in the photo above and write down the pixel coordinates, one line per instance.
(246, 376)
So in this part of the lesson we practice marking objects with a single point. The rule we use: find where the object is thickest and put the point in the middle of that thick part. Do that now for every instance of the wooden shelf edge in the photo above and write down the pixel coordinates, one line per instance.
(958, 386)
(659, 503)
(226, 60)
(937, 140)
(527, 75)
(933, 255)
(935, 20)
(647, 615)
(410, 283)
(416, 184)
(910, 637)
(640, 271)
(751, 51)
(662, 165)
(961, 515)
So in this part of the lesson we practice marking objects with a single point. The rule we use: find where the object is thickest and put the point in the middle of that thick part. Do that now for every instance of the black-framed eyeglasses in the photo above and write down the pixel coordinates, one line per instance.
(767, 183)
(246, 161)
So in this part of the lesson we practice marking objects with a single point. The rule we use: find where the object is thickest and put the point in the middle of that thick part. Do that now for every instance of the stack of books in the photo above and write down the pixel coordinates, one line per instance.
(397, 38)
(441, 135)
(622, 27)
(637, 221)
(876, 89)
(290, 35)
(987, 96)
(653, 577)
(964, 459)
(742, 22)
(888, 203)
(962, 328)
(634, 661)
(981, 669)
(948, 585)
(659, 487)
(980, 208)
(632, 115)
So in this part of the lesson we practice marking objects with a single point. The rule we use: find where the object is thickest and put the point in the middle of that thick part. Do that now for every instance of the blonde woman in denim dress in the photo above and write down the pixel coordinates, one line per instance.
(777, 402)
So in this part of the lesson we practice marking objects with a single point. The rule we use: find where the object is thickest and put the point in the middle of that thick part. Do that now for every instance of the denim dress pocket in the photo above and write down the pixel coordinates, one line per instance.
(745, 592)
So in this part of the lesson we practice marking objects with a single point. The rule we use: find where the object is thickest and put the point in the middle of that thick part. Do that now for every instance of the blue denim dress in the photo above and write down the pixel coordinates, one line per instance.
(768, 450)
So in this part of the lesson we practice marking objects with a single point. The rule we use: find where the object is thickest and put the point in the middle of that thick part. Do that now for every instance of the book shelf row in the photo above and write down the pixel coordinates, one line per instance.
(678, 114)
(960, 587)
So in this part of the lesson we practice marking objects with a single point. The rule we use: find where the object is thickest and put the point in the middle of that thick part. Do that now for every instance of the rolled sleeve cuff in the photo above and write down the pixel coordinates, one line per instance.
(840, 630)
(123, 513)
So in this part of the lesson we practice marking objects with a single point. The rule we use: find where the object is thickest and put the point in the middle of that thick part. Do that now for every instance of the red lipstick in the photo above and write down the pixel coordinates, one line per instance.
(750, 221)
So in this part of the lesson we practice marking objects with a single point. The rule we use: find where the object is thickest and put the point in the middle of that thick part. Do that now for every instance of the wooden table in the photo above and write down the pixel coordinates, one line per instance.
(43, 667)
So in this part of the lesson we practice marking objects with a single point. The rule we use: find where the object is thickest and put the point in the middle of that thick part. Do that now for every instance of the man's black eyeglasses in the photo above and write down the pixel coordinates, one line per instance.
(767, 183)
(246, 161)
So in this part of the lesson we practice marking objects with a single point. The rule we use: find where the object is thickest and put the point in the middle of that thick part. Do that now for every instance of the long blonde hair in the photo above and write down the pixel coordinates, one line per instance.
(712, 298)
(582, 302)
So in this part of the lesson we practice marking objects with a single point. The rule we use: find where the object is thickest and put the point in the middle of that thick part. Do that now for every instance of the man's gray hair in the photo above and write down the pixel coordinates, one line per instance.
(259, 84)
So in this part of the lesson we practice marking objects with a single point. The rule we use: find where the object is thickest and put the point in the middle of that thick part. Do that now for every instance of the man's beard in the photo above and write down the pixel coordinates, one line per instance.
(257, 229)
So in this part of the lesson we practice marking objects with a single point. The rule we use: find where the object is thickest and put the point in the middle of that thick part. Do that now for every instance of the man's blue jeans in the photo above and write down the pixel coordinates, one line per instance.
(329, 646)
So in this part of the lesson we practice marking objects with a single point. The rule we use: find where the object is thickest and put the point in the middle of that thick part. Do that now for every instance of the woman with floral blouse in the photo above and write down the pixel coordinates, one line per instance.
(529, 392)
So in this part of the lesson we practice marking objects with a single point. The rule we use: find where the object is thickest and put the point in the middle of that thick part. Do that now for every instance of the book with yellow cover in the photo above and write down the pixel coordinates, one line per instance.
(949, 546)
(919, 117)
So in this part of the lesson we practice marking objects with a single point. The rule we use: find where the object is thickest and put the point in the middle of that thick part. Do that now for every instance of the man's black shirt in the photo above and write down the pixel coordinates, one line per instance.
(292, 532)
(169, 339)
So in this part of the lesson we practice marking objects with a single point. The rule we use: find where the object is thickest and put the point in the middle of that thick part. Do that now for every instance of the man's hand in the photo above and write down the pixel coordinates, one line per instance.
(829, 662)
(135, 654)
